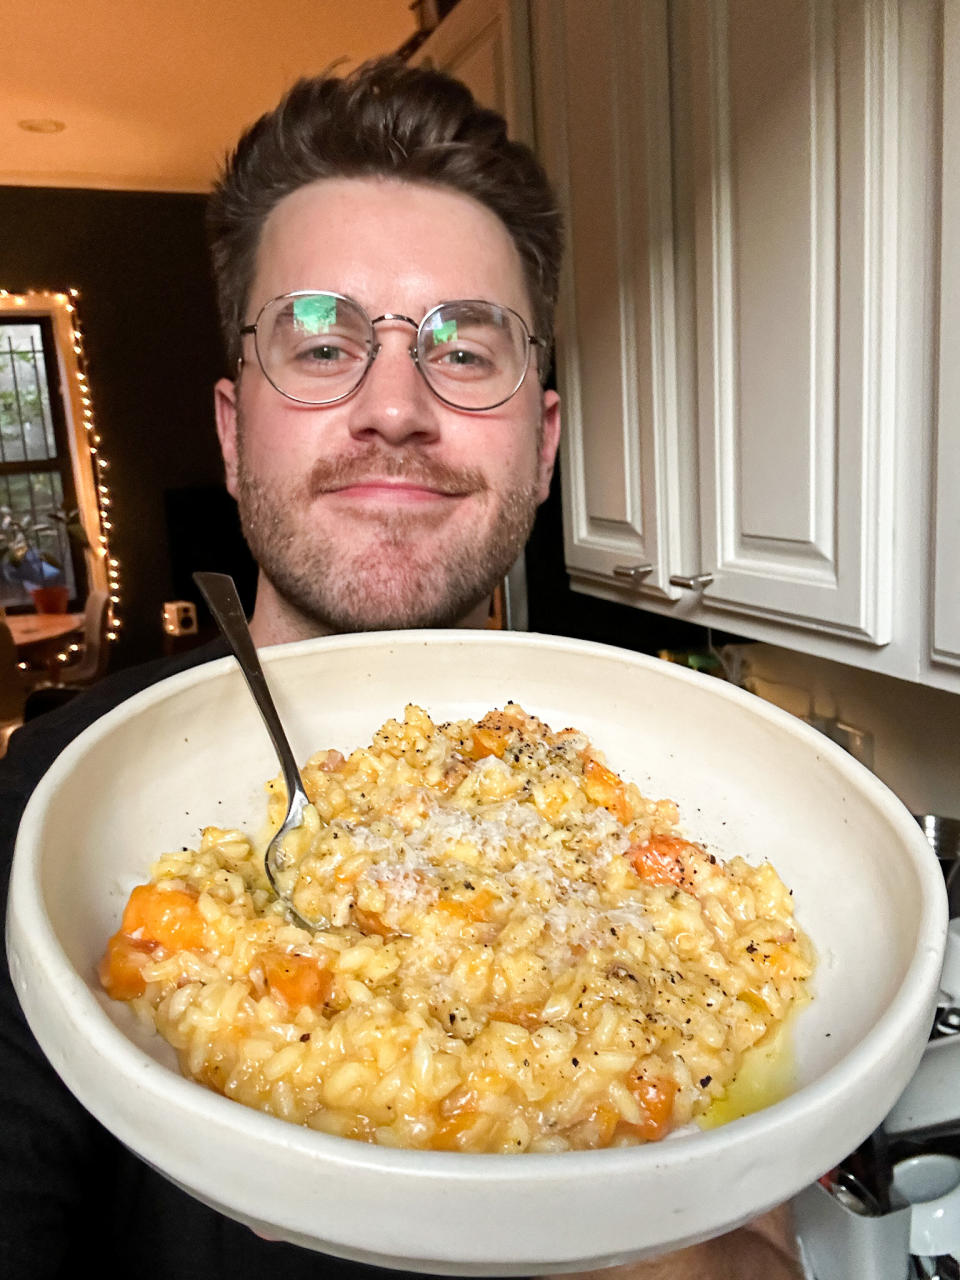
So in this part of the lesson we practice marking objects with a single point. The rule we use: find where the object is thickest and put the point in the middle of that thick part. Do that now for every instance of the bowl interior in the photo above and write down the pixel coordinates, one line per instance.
(199, 755)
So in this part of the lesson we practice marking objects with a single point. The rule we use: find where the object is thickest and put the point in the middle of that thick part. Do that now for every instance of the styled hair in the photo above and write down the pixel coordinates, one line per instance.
(385, 119)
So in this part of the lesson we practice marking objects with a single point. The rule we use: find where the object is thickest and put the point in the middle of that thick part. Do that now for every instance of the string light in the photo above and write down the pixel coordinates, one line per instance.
(100, 542)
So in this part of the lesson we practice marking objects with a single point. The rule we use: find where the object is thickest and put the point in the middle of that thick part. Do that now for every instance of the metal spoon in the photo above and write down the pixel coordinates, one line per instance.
(221, 595)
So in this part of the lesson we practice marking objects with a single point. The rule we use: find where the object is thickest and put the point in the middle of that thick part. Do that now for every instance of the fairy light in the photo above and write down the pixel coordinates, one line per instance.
(100, 542)
(101, 465)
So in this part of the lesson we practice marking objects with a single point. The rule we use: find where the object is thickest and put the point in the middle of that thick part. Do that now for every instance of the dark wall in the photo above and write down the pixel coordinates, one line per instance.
(147, 312)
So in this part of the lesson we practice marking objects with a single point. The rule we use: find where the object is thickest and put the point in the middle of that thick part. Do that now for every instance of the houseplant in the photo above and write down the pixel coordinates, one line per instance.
(26, 561)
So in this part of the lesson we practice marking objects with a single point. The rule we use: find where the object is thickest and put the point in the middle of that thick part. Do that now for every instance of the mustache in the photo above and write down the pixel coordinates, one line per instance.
(415, 468)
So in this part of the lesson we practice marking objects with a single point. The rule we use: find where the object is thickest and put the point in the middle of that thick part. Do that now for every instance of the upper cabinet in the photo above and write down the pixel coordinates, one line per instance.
(746, 347)
(486, 44)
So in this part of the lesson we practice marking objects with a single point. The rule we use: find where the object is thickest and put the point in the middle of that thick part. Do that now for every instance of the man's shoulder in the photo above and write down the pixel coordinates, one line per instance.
(35, 746)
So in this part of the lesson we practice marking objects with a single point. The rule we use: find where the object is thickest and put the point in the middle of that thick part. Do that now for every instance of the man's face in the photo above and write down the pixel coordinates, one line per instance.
(389, 508)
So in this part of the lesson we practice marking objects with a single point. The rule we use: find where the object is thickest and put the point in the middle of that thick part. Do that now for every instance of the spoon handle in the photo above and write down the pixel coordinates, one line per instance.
(221, 595)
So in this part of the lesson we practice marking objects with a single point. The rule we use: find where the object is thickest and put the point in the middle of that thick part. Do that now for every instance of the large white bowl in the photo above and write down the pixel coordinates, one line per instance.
(749, 779)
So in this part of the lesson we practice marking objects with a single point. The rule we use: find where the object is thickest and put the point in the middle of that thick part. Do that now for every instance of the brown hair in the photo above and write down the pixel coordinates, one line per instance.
(384, 119)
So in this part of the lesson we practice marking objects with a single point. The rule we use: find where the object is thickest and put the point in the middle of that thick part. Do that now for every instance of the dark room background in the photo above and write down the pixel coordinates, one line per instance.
(147, 311)
(146, 308)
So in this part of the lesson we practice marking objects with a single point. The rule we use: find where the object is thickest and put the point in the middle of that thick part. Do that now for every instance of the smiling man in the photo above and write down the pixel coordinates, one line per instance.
(387, 265)
(386, 436)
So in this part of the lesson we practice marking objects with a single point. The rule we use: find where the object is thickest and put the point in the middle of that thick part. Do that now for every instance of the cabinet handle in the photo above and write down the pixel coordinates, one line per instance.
(696, 582)
(634, 572)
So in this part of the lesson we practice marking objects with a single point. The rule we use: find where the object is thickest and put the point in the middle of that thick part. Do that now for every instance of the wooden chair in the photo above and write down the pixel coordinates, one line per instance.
(92, 662)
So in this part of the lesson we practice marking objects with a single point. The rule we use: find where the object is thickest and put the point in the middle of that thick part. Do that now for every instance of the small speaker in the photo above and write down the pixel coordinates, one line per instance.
(180, 618)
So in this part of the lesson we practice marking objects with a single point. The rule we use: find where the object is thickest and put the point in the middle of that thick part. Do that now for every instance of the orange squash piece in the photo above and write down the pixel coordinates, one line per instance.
(603, 787)
(297, 980)
(655, 1099)
(121, 969)
(170, 918)
(475, 907)
(487, 742)
(660, 860)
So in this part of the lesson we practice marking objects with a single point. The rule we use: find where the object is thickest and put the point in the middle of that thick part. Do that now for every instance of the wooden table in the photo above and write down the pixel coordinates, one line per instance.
(31, 629)
(40, 638)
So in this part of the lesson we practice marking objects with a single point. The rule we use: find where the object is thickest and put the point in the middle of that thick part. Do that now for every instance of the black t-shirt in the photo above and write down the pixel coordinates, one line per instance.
(69, 1192)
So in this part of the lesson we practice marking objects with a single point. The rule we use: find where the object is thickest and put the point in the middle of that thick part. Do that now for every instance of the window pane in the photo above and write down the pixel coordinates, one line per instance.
(26, 424)
(35, 459)
(31, 496)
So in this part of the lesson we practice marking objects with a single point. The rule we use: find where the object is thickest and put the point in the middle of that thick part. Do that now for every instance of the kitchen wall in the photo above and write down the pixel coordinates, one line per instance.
(915, 730)
(147, 311)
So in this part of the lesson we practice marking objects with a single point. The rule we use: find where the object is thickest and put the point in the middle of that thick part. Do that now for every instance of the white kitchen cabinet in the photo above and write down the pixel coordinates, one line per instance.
(741, 426)
(945, 622)
(746, 337)
(486, 44)
(603, 128)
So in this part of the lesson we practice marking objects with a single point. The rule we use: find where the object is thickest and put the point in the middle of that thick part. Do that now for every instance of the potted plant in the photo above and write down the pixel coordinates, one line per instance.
(25, 561)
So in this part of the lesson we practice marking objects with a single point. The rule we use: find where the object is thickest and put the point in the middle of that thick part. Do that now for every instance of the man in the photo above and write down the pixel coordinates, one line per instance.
(403, 500)
(387, 268)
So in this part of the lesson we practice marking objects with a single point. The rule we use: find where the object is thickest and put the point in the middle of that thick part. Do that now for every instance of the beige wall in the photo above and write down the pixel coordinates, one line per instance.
(916, 730)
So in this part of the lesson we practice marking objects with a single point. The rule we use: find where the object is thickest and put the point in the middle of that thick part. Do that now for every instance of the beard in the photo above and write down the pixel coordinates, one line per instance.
(392, 569)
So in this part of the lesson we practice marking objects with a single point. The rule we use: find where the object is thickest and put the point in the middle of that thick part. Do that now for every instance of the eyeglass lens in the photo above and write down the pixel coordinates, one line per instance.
(316, 348)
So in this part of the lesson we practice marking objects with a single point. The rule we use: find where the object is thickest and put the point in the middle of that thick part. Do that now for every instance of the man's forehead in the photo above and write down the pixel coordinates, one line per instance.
(390, 243)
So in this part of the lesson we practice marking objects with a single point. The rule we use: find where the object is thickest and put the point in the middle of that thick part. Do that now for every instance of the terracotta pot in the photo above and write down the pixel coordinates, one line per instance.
(50, 599)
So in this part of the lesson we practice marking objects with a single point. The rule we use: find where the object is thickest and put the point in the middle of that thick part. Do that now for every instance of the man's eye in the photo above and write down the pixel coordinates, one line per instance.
(325, 357)
(322, 354)
(454, 359)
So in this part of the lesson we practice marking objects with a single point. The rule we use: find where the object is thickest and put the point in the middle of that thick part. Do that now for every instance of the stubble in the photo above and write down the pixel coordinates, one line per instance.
(395, 568)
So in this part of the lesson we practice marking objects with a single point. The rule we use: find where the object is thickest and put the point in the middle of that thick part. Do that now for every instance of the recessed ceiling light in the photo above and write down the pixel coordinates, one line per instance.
(42, 126)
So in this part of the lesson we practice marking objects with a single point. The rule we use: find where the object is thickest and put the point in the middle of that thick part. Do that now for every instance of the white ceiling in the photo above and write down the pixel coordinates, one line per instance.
(154, 93)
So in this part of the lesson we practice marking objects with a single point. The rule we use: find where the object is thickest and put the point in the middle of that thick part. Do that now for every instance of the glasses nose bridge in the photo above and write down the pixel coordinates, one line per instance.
(396, 317)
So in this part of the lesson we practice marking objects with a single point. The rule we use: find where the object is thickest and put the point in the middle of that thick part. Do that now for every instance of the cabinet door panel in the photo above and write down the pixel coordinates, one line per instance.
(946, 592)
(794, 170)
(486, 44)
(602, 104)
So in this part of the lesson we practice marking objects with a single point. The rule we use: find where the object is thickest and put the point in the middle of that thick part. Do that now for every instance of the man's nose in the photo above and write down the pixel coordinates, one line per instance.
(394, 402)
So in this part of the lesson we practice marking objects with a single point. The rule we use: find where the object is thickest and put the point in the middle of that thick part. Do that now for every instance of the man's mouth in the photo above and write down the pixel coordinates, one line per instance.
(382, 489)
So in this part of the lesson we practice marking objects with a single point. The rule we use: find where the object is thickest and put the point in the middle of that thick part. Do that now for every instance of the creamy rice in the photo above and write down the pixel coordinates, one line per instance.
(515, 951)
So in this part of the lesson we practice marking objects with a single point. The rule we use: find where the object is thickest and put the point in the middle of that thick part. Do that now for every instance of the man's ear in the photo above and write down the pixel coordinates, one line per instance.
(225, 409)
(549, 439)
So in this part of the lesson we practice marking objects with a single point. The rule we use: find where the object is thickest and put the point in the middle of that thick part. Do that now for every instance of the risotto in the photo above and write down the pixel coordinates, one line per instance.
(514, 949)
